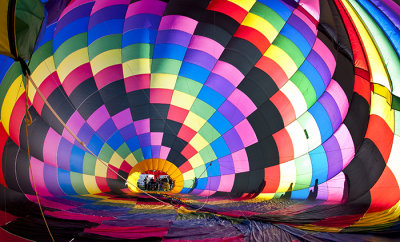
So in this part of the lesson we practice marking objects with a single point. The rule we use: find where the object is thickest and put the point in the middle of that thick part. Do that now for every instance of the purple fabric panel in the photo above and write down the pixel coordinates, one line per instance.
(54, 9)
(332, 109)
(233, 140)
(226, 166)
(107, 13)
(155, 151)
(334, 155)
(107, 130)
(303, 29)
(142, 21)
(220, 84)
(77, 13)
(200, 58)
(64, 154)
(128, 132)
(231, 113)
(50, 178)
(86, 133)
(385, 7)
(144, 140)
(173, 37)
(213, 183)
(319, 64)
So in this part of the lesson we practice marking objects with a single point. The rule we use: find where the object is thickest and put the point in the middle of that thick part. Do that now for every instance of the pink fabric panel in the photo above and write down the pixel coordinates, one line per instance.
(149, 6)
(100, 4)
(246, 133)
(142, 126)
(74, 123)
(346, 144)
(164, 152)
(156, 138)
(50, 147)
(206, 193)
(122, 118)
(340, 97)
(312, 7)
(77, 216)
(108, 75)
(240, 161)
(206, 45)
(137, 82)
(37, 171)
(229, 72)
(325, 54)
(176, 22)
(306, 20)
(98, 118)
(242, 102)
(226, 183)
(76, 77)
(336, 188)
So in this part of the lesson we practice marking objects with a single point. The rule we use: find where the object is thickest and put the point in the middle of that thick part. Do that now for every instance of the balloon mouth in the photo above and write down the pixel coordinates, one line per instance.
(157, 165)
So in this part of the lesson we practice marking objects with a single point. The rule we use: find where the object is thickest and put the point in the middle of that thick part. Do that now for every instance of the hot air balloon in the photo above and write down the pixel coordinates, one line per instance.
(271, 120)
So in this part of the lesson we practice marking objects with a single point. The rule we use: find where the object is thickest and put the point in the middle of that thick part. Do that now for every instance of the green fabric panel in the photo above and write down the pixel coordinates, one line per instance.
(41, 54)
(268, 14)
(9, 78)
(188, 86)
(106, 153)
(202, 109)
(188, 183)
(29, 16)
(137, 51)
(89, 164)
(207, 154)
(168, 66)
(138, 154)
(123, 150)
(305, 87)
(290, 48)
(77, 183)
(69, 46)
(108, 42)
(209, 133)
(396, 102)
(200, 171)
(303, 172)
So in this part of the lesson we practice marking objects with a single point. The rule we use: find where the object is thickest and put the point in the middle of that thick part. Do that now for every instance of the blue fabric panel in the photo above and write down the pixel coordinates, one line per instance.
(107, 129)
(323, 121)
(147, 152)
(194, 72)
(76, 159)
(64, 179)
(115, 141)
(314, 77)
(319, 163)
(211, 97)
(213, 169)
(107, 13)
(220, 123)
(169, 51)
(137, 36)
(133, 143)
(220, 148)
(105, 28)
(95, 144)
(72, 29)
(297, 38)
(278, 7)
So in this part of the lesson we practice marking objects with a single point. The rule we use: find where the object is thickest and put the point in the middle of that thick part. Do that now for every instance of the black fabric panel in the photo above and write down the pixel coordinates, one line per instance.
(159, 111)
(266, 120)
(194, 9)
(37, 132)
(240, 184)
(213, 32)
(172, 127)
(22, 173)
(157, 125)
(176, 158)
(116, 185)
(117, 105)
(9, 165)
(246, 48)
(59, 101)
(140, 112)
(256, 181)
(179, 144)
(114, 97)
(168, 140)
(12, 201)
(258, 86)
(263, 154)
(238, 60)
(90, 105)
(83, 91)
(364, 170)
(357, 119)
(139, 97)
(331, 24)
(221, 20)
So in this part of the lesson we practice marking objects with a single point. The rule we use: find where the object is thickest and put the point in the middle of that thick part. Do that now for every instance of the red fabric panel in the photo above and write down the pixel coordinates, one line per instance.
(77, 216)
(380, 133)
(273, 70)
(138, 82)
(363, 88)
(387, 182)
(159, 95)
(177, 114)
(339, 221)
(283, 104)
(76, 77)
(108, 75)
(110, 173)
(6, 218)
(285, 146)
(125, 166)
(102, 184)
(135, 232)
(272, 179)
(186, 133)
(188, 152)
(254, 36)
(17, 117)
(46, 88)
(185, 167)
(6, 236)
(228, 8)
(3, 139)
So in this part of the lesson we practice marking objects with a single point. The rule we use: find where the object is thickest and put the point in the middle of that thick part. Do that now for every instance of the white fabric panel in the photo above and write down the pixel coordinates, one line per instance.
(308, 123)
(298, 137)
(295, 97)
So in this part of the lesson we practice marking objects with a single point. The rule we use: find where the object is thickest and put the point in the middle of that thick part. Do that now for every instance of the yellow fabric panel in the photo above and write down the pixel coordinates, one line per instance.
(131, 159)
(4, 43)
(320, 228)
(378, 70)
(136, 67)
(42, 71)
(182, 100)
(132, 181)
(189, 175)
(163, 80)
(154, 164)
(245, 4)
(384, 92)
(282, 59)
(288, 176)
(106, 59)
(198, 142)
(100, 169)
(91, 184)
(380, 107)
(116, 160)
(266, 196)
(71, 62)
(196, 160)
(178, 184)
(194, 121)
(263, 26)
(390, 215)
(14, 92)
